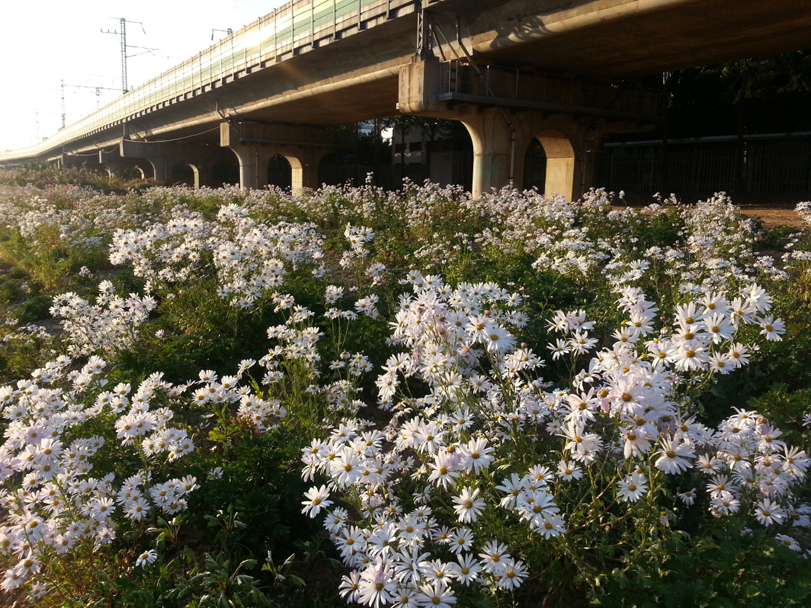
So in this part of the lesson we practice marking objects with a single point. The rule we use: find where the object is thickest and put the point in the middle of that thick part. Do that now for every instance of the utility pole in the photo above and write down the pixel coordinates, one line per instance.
(122, 35)
(62, 88)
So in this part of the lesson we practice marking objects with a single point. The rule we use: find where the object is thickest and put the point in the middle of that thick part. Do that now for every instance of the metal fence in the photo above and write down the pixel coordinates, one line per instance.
(770, 163)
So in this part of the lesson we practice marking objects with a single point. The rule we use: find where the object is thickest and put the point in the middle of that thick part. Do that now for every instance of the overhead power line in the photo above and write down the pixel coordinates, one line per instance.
(62, 87)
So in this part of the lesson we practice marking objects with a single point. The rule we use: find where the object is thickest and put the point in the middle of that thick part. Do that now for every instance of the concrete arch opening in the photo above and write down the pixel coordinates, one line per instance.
(280, 171)
(138, 172)
(535, 166)
(224, 172)
(197, 176)
(560, 163)
(183, 174)
(119, 169)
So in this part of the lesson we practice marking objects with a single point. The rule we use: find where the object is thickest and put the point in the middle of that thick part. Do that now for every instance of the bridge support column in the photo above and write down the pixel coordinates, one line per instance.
(565, 140)
(496, 159)
(202, 173)
(253, 165)
(500, 142)
(304, 165)
(256, 143)
(563, 168)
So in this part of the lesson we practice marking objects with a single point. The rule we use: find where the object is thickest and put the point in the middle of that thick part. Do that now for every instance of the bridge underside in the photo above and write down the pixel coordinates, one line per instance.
(615, 39)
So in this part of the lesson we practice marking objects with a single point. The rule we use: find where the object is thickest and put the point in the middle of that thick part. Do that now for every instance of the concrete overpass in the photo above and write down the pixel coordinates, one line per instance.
(510, 70)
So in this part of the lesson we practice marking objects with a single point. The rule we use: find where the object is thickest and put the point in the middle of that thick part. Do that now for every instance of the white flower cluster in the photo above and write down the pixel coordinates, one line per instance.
(249, 258)
(264, 414)
(627, 410)
(53, 502)
(804, 211)
(105, 327)
(11, 330)
(75, 216)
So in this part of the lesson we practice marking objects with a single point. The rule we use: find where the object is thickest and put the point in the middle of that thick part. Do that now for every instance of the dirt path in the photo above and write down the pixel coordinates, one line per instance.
(774, 217)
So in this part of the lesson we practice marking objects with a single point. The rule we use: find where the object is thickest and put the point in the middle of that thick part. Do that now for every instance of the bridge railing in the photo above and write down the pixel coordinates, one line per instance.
(283, 33)
(462, 82)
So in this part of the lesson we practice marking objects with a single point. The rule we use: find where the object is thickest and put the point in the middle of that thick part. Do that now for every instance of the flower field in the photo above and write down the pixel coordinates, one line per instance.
(413, 399)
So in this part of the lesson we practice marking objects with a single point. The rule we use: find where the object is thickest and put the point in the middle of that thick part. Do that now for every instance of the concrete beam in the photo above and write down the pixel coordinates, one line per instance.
(91, 161)
(116, 166)
(165, 155)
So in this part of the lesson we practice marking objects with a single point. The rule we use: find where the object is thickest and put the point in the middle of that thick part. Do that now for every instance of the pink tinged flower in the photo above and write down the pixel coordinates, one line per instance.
(376, 586)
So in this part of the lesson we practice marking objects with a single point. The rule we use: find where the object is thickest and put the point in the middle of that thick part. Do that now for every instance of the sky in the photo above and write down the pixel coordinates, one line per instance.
(44, 43)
